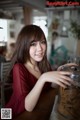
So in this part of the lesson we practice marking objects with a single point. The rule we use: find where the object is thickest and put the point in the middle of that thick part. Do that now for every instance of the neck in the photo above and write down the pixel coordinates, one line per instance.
(32, 66)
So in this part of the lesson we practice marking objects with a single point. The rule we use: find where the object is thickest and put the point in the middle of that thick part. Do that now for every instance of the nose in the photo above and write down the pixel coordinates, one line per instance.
(39, 47)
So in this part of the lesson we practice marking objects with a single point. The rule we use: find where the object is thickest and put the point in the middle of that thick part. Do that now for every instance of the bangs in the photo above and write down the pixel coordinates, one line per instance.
(38, 34)
(37, 37)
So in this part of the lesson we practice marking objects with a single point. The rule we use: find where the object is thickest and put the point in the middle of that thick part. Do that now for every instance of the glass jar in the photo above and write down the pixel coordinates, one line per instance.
(69, 98)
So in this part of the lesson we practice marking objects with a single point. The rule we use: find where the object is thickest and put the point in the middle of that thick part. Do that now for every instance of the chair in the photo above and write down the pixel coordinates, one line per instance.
(4, 85)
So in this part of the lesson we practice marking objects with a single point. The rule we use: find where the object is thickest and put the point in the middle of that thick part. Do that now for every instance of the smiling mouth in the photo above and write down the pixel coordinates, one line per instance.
(39, 55)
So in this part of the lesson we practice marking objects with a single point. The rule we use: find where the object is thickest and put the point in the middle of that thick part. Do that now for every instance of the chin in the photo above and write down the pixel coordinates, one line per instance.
(39, 60)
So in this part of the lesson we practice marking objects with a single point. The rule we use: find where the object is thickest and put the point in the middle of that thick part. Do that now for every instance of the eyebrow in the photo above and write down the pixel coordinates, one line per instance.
(34, 41)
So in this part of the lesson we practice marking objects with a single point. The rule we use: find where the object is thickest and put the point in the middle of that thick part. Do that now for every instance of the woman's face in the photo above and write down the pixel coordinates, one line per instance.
(37, 50)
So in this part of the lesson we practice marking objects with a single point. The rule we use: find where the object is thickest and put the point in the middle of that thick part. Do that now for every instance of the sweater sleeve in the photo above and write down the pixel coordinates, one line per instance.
(20, 81)
(20, 90)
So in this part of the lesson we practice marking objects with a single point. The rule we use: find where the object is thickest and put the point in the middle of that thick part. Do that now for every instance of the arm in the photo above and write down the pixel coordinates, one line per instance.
(43, 108)
(55, 77)
(32, 98)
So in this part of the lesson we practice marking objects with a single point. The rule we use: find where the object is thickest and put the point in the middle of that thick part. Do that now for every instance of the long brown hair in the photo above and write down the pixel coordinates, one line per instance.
(21, 53)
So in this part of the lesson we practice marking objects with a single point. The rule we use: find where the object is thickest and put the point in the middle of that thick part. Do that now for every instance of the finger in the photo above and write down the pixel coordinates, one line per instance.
(65, 82)
(61, 84)
(65, 73)
(59, 68)
(67, 78)
(70, 64)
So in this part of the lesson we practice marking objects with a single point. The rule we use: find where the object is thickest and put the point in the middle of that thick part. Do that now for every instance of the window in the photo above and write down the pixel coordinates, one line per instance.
(3, 30)
(42, 22)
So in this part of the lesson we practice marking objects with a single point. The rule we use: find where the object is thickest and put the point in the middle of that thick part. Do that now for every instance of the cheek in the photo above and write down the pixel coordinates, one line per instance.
(31, 51)
(44, 47)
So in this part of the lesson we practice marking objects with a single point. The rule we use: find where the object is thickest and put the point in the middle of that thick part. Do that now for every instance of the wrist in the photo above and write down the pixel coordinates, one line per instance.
(42, 78)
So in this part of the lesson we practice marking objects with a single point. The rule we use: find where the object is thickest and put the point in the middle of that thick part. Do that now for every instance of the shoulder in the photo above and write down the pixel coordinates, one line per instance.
(18, 66)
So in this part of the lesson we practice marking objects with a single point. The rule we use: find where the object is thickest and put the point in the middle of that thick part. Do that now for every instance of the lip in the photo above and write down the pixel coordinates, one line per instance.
(39, 55)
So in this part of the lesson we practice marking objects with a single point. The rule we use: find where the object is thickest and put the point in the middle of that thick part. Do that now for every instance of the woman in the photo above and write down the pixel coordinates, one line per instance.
(31, 72)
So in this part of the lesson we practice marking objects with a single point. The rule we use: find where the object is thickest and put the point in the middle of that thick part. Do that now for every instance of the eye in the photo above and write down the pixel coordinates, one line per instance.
(33, 44)
(43, 41)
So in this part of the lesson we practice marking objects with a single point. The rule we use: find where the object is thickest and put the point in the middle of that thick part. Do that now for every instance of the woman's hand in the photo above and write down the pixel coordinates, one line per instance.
(60, 78)
(68, 64)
